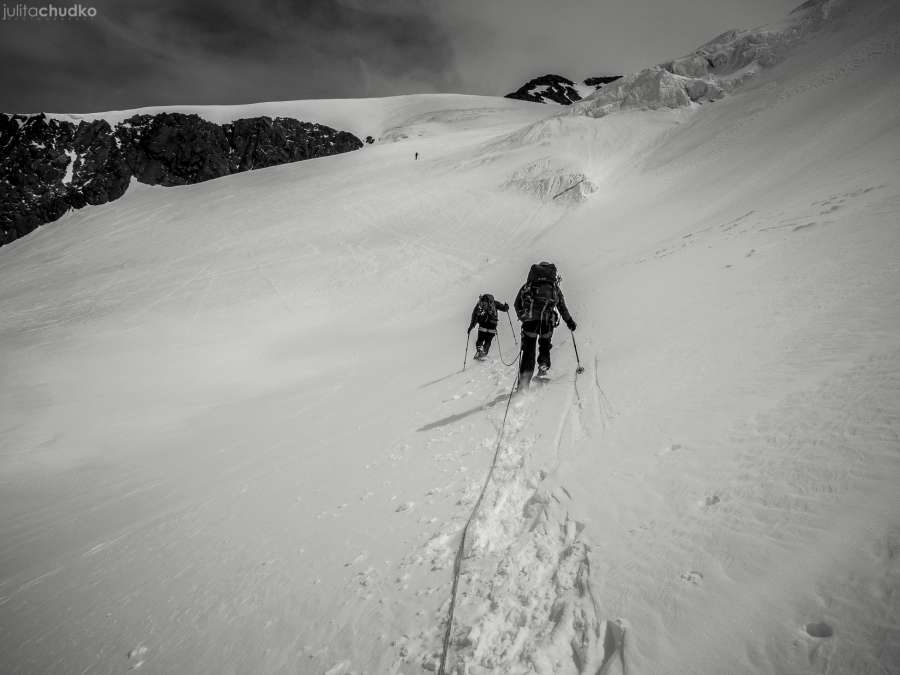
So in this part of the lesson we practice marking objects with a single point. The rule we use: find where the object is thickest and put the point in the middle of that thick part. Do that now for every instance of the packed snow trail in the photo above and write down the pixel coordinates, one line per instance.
(526, 603)
(457, 558)
(582, 645)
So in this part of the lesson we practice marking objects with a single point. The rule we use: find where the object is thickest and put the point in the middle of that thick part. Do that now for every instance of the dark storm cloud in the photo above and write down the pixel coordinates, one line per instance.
(170, 52)
(157, 52)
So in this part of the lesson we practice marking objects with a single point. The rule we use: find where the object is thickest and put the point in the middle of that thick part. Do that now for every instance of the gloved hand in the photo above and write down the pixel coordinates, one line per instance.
(572, 325)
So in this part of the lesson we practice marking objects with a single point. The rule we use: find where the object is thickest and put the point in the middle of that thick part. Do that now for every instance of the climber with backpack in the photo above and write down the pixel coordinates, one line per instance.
(537, 304)
(485, 316)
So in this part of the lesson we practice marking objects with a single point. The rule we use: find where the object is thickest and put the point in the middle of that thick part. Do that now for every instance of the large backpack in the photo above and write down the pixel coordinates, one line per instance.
(487, 310)
(541, 291)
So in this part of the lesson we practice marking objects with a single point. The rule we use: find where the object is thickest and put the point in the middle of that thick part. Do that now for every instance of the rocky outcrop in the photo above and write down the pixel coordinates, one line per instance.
(48, 166)
(174, 149)
(260, 142)
(555, 88)
(559, 89)
(600, 82)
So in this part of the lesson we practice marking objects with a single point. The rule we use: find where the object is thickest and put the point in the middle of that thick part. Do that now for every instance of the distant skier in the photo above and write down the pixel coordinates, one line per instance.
(485, 315)
(417, 155)
(536, 306)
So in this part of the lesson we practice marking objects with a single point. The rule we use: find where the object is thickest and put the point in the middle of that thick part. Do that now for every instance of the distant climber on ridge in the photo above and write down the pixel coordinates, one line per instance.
(536, 306)
(485, 316)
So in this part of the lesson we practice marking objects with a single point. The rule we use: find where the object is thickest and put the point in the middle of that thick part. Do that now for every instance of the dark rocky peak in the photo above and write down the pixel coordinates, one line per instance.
(559, 89)
(600, 82)
(552, 88)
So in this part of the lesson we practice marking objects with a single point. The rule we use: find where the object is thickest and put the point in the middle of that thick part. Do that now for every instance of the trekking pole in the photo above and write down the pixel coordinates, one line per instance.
(512, 329)
(580, 368)
(466, 355)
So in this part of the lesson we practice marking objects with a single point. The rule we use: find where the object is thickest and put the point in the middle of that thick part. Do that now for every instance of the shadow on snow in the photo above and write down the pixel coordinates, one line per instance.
(458, 416)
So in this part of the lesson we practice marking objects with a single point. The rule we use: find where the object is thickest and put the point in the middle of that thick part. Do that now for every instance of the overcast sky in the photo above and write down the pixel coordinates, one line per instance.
(158, 52)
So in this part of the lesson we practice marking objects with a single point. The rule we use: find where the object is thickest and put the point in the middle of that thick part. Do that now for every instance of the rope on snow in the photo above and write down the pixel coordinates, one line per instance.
(457, 561)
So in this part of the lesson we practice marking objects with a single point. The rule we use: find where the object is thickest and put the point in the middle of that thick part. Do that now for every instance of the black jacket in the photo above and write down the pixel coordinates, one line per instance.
(487, 324)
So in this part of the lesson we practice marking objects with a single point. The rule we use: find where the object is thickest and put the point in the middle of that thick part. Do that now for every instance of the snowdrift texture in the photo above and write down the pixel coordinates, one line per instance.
(235, 438)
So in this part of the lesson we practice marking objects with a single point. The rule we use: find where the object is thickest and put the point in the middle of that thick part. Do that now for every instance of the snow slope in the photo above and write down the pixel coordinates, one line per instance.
(416, 115)
(234, 434)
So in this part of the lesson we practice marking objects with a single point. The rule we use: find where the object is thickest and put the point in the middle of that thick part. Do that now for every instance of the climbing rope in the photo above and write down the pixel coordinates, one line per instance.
(457, 561)
(512, 329)
(500, 349)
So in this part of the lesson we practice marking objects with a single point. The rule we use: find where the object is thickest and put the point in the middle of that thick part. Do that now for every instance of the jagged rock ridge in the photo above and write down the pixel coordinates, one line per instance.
(559, 89)
(599, 82)
(48, 166)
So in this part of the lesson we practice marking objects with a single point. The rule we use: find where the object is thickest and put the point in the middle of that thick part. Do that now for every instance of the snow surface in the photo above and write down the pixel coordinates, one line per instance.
(720, 65)
(235, 438)
(584, 90)
(410, 116)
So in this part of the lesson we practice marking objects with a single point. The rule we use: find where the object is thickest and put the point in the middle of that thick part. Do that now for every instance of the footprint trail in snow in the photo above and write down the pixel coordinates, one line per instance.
(524, 602)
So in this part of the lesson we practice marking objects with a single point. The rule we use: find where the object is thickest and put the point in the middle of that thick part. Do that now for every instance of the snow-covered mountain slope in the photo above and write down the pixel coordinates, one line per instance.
(54, 163)
(418, 114)
(235, 437)
(721, 65)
